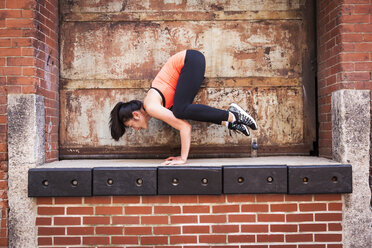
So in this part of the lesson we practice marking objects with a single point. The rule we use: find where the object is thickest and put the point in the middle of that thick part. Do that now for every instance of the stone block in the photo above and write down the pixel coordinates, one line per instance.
(351, 120)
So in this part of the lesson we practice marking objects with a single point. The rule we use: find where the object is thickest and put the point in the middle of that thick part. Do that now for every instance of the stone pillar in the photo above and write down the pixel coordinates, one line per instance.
(26, 149)
(351, 144)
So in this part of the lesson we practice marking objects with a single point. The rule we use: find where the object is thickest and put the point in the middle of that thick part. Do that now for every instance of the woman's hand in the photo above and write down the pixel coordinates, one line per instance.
(174, 161)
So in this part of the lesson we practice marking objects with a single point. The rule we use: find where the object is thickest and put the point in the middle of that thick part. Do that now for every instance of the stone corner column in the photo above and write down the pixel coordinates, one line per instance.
(351, 120)
(26, 149)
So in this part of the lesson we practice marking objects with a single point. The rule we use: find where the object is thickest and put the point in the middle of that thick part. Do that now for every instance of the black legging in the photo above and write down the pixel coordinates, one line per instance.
(191, 77)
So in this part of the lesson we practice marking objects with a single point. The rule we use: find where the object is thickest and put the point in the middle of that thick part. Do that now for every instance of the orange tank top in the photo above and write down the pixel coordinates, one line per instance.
(167, 78)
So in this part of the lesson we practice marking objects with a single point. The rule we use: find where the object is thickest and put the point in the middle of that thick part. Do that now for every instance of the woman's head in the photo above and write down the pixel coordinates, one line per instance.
(124, 115)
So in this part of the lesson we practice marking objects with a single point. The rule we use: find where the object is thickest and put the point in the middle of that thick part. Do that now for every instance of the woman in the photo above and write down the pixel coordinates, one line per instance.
(170, 100)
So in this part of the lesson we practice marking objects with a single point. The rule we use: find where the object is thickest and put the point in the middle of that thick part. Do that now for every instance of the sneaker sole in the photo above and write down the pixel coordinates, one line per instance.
(245, 113)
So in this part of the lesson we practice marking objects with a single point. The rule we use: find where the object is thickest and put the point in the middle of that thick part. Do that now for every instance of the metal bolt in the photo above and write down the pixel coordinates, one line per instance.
(139, 182)
(45, 183)
(204, 181)
(334, 179)
(175, 181)
(110, 181)
(74, 182)
(270, 179)
(305, 180)
(240, 180)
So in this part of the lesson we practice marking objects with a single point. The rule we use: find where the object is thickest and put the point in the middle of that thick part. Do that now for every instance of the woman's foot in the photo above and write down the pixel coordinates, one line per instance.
(238, 127)
(242, 117)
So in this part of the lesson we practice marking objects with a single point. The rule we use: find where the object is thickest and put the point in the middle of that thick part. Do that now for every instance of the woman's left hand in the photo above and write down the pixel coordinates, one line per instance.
(174, 161)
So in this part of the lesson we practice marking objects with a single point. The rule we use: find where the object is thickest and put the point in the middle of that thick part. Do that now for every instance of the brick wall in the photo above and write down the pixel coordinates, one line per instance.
(344, 32)
(311, 221)
(28, 65)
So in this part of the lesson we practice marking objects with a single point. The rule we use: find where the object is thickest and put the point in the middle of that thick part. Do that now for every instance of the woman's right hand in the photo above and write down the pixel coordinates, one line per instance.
(174, 161)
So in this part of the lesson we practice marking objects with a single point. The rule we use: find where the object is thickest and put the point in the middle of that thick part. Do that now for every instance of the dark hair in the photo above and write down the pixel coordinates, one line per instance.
(122, 112)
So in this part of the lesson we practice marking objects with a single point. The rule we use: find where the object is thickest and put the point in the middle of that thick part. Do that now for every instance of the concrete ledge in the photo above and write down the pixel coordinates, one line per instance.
(306, 175)
(278, 160)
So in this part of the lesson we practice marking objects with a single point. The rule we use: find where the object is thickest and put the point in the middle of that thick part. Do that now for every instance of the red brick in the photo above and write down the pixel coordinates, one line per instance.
(242, 218)
(109, 210)
(195, 209)
(41, 221)
(10, 71)
(166, 230)
(96, 220)
(20, 4)
(109, 230)
(363, 66)
(298, 198)
(334, 227)
(155, 199)
(354, 57)
(183, 239)
(80, 210)
(255, 228)
(137, 230)
(68, 200)
(334, 246)
(334, 206)
(313, 246)
(299, 237)
(354, 18)
(154, 220)
(241, 238)
(126, 199)
(367, 37)
(226, 208)
(271, 217)
(269, 198)
(255, 208)
(80, 231)
(212, 199)
(212, 218)
(96, 240)
(283, 207)
(127, 240)
(138, 210)
(363, 9)
(167, 209)
(270, 238)
(225, 228)
(96, 199)
(50, 210)
(195, 229)
(313, 227)
(181, 219)
(313, 207)
(356, 76)
(67, 221)
(19, 23)
(184, 199)
(328, 217)
(154, 240)
(212, 239)
(52, 231)
(44, 241)
(11, 33)
(328, 237)
(283, 228)
(299, 217)
(67, 241)
(125, 220)
(240, 198)
(44, 201)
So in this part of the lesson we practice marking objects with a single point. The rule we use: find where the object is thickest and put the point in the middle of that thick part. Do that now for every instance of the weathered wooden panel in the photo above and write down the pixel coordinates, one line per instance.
(138, 50)
(257, 55)
(104, 6)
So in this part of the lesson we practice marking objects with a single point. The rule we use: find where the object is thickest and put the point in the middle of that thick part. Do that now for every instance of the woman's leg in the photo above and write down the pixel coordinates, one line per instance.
(191, 77)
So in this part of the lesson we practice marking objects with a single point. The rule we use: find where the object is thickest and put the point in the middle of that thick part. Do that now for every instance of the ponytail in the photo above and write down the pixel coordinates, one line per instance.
(121, 113)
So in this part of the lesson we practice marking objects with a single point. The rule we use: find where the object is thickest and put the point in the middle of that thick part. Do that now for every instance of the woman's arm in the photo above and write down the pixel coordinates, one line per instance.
(153, 107)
